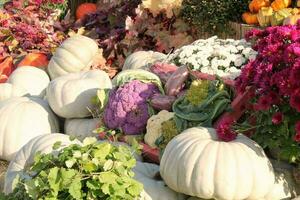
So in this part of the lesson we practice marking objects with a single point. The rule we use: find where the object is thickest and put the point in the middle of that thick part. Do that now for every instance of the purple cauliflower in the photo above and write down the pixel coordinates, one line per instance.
(127, 108)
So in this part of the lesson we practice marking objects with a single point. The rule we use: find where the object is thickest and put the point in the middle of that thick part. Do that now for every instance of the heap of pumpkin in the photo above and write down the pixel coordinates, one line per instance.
(197, 162)
(272, 12)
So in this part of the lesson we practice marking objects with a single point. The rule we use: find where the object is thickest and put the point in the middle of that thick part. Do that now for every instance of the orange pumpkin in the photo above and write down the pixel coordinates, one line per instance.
(84, 9)
(256, 5)
(250, 18)
(280, 4)
(6, 67)
(34, 59)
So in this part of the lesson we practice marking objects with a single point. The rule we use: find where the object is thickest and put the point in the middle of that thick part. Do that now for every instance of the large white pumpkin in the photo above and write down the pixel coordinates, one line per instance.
(32, 79)
(81, 128)
(22, 119)
(25, 156)
(70, 95)
(75, 54)
(142, 59)
(153, 189)
(196, 163)
(8, 90)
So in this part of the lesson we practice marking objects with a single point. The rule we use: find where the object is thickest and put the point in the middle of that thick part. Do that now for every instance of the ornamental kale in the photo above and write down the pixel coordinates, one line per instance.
(127, 108)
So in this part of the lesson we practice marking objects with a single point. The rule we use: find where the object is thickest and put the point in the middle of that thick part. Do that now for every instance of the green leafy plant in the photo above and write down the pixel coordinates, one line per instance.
(213, 16)
(90, 171)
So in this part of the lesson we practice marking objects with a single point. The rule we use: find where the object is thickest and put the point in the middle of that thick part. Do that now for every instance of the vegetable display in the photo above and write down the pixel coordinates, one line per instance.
(32, 79)
(208, 168)
(154, 126)
(81, 128)
(82, 172)
(70, 95)
(23, 118)
(24, 158)
(142, 59)
(75, 54)
(219, 117)
(128, 109)
(8, 90)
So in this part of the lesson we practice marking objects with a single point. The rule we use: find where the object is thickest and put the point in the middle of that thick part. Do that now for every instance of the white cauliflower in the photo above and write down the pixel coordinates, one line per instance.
(156, 6)
(154, 126)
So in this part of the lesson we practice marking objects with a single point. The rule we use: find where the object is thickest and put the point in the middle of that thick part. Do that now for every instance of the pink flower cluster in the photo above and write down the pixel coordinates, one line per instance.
(275, 73)
(39, 2)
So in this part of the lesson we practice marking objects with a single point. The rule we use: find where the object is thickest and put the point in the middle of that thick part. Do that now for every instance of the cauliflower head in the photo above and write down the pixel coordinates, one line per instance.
(154, 126)
(127, 108)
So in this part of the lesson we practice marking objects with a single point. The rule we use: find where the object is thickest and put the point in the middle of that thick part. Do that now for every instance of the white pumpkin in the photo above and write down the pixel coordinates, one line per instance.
(8, 90)
(153, 189)
(75, 54)
(142, 59)
(32, 79)
(21, 119)
(25, 156)
(196, 163)
(81, 128)
(70, 96)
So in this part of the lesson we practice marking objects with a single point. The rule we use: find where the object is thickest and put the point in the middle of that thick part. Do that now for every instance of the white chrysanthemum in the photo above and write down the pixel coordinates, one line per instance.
(215, 56)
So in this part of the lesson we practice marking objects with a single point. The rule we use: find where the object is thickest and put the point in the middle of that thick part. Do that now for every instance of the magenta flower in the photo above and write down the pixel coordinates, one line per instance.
(264, 103)
(297, 137)
(295, 100)
(224, 131)
(277, 118)
(297, 127)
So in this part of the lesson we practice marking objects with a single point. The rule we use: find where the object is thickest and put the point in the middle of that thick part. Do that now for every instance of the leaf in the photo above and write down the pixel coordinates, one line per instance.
(75, 188)
(89, 140)
(56, 145)
(54, 180)
(107, 177)
(108, 165)
(67, 176)
(89, 167)
(103, 150)
(70, 163)
(102, 96)
(135, 189)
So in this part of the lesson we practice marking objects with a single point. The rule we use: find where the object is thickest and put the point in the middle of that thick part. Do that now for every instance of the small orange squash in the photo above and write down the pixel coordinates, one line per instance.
(6, 67)
(256, 5)
(35, 60)
(3, 78)
(250, 18)
(280, 4)
(84, 9)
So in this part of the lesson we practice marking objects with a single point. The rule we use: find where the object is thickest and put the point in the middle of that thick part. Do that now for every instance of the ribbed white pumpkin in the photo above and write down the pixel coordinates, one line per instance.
(8, 90)
(153, 189)
(81, 128)
(32, 79)
(70, 95)
(25, 156)
(75, 54)
(22, 119)
(142, 59)
(197, 164)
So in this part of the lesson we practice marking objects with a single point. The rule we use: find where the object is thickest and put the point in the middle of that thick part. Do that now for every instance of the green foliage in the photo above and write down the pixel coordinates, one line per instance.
(278, 137)
(92, 171)
(213, 16)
